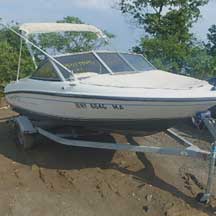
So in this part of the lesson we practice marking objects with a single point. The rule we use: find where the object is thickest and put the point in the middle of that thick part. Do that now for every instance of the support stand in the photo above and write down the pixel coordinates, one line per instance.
(204, 197)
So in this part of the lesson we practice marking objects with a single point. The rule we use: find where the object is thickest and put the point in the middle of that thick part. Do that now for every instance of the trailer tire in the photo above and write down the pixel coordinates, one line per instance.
(26, 141)
(199, 198)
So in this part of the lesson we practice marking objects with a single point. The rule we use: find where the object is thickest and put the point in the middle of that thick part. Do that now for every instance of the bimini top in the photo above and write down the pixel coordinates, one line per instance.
(34, 28)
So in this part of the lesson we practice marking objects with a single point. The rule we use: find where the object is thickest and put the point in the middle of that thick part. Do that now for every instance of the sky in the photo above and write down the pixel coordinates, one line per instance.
(100, 13)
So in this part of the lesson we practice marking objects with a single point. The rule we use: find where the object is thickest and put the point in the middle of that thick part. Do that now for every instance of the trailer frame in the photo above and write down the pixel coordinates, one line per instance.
(26, 131)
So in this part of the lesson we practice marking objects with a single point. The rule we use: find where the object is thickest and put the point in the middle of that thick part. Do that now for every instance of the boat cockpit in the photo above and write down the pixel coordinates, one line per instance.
(83, 65)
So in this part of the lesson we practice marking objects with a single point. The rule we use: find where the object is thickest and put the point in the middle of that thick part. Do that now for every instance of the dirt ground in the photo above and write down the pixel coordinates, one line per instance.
(57, 180)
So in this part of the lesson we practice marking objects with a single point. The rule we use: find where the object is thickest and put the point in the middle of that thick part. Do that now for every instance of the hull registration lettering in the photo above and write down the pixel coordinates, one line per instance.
(99, 106)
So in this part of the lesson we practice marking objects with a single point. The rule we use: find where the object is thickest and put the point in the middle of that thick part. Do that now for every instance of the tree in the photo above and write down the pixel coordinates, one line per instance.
(54, 42)
(211, 43)
(164, 17)
(199, 63)
(168, 42)
(68, 42)
(9, 54)
(166, 54)
(211, 49)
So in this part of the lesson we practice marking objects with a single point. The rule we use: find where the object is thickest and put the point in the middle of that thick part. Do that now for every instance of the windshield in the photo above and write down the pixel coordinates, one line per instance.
(115, 62)
(138, 62)
(88, 64)
(46, 71)
(82, 63)
(125, 62)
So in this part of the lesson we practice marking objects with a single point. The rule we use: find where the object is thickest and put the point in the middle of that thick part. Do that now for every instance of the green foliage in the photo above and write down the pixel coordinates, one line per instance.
(164, 17)
(8, 61)
(166, 54)
(68, 42)
(211, 44)
(54, 42)
(9, 54)
(169, 55)
(211, 48)
(169, 43)
(199, 63)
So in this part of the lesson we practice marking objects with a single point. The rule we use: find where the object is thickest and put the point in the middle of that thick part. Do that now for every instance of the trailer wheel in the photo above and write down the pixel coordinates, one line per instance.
(26, 141)
(201, 198)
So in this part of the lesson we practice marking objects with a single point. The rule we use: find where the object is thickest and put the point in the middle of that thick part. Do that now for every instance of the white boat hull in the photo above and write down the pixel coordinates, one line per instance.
(96, 109)
(117, 115)
(105, 107)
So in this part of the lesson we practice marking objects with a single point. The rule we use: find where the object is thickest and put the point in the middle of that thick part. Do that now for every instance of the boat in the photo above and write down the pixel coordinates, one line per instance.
(104, 90)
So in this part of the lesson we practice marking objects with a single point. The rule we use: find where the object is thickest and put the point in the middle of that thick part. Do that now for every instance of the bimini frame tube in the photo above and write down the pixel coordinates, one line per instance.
(19, 61)
(32, 55)
(39, 49)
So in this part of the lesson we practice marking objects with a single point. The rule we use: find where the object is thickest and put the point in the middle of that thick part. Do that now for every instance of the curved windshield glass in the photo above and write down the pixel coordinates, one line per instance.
(138, 62)
(115, 62)
(89, 64)
(124, 62)
(46, 72)
(82, 63)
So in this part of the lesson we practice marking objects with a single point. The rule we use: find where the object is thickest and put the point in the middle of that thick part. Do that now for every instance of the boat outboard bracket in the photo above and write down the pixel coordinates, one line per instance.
(27, 129)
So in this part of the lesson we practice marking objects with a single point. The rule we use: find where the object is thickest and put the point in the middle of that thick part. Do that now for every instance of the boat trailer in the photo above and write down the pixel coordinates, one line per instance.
(26, 131)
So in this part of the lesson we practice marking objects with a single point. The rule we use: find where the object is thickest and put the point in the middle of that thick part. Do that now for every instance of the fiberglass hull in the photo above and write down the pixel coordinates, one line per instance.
(127, 114)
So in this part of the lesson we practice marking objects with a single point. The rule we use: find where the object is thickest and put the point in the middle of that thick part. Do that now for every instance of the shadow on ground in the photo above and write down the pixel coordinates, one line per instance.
(190, 131)
(148, 176)
(54, 156)
(51, 155)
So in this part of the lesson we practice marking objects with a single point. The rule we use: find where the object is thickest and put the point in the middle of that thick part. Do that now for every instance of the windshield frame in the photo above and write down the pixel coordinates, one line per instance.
(121, 55)
(100, 60)
(144, 58)
(56, 70)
